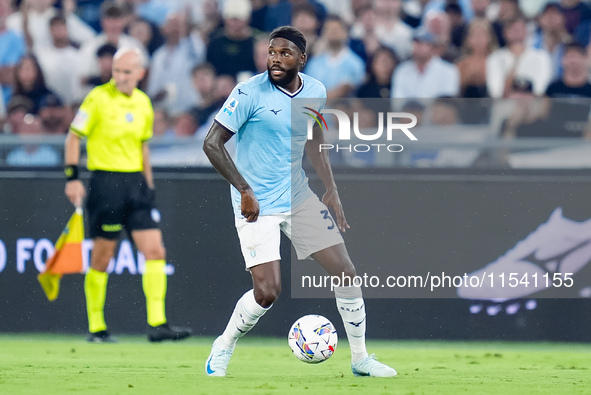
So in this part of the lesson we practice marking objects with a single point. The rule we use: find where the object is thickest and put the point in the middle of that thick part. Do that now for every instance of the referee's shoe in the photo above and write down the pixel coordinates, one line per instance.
(167, 332)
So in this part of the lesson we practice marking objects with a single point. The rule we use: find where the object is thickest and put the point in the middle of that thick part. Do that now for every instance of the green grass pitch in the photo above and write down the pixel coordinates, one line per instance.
(60, 364)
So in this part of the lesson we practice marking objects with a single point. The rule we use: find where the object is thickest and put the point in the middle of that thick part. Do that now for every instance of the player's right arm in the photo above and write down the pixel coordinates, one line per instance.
(74, 188)
(215, 149)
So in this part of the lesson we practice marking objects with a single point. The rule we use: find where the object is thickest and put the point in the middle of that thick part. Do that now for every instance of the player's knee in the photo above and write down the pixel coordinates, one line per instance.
(155, 252)
(266, 294)
(349, 271)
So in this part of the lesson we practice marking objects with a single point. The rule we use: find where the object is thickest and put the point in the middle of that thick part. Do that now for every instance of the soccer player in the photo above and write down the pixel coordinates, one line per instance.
(271, 193)
(116, 120)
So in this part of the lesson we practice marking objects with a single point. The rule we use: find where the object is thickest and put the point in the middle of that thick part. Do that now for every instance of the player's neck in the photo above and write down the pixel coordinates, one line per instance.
(294, 85)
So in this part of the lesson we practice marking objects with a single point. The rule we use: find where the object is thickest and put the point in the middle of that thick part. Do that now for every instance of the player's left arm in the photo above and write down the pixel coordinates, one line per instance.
(321, 164)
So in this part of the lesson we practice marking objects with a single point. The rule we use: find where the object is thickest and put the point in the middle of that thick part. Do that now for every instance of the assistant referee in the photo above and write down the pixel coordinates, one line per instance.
(116, 119)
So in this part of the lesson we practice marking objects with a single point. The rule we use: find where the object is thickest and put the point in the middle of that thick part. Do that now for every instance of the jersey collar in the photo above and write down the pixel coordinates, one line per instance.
(294, 94)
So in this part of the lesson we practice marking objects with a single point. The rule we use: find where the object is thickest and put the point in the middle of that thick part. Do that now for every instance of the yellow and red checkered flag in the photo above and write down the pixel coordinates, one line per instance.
(67, 257)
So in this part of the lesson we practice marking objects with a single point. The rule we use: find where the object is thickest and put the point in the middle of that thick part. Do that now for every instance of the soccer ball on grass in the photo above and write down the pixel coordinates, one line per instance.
(313, 339)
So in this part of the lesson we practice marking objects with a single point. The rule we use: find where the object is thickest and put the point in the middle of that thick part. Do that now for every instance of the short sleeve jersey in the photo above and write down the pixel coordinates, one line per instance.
(115, 126)
(269, 150)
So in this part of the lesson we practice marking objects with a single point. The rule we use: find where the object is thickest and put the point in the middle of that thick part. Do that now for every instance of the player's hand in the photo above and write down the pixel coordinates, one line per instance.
(75, 192)
(331, 200)
(249, 205)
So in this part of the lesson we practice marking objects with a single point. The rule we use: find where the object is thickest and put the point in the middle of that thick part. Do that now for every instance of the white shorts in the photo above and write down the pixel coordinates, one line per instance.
(310, 228)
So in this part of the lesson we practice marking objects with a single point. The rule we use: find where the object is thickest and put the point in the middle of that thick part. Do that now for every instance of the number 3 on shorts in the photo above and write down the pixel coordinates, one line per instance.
(327, 216)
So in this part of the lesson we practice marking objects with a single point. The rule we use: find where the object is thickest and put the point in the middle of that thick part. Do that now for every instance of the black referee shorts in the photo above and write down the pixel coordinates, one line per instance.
(119, 200)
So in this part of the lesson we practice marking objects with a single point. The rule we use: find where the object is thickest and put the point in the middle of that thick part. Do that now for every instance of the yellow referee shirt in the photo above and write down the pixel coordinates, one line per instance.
(115, 126)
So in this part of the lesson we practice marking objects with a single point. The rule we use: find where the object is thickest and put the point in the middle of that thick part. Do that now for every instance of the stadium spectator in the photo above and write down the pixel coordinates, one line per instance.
(305, 20)
(184, 125)
(203, 77)
(480, 8)
(223, 86)
(319, 7)
(152, 10)
(146, 33)
(438, 23)
(390, 29)
(516, 60)
(508, 11)
(30, 82)
(439, 6)
(162, 128)
(459, 26)
(261, 49)
(104, 56)
(231, 51)
(36, 14)
(425, 75)
(552, 36)
(16, 109)
(170, 74)
(113, 20)
(338, 67)
(364, 40)
(54, 116)
(574, 82)
(212, 21)
(273, 13)
(59, 62)
(522, 91)
(24, 124)
(445, 112)
(342, 8)
(479, 43)
(576, 13)
(12, 48)
(379, 74)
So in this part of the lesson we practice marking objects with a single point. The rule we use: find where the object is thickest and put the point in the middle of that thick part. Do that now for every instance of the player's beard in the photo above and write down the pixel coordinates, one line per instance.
(288, 77)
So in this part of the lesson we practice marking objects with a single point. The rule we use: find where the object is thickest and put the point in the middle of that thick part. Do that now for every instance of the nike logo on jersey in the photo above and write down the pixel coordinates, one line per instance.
(240, 92)
(275, 111)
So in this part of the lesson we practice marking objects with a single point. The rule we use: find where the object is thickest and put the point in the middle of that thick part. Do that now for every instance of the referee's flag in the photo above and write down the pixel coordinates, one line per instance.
(67, 257)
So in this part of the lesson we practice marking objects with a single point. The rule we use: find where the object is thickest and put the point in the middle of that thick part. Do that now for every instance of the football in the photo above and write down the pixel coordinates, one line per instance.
(312, 339)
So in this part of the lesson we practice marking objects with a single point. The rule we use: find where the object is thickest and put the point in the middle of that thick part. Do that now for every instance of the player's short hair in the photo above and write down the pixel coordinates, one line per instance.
(142, 58)
(110, 9)
(292, 34)
(336, 18)
(308, 9)
(203, 66)
(106, 49)
(575, 47)
(57, 19)
(518, 18)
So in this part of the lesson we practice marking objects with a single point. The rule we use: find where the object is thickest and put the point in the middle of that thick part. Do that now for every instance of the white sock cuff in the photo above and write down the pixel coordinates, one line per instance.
(348, 292)
(250, 305)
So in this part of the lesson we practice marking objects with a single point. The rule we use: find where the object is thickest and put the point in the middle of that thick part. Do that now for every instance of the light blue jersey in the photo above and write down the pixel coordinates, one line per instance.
(269, 150)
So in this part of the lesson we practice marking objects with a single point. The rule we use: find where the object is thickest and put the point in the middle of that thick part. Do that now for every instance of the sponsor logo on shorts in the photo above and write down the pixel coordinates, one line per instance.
(155, 214)
(111, 227)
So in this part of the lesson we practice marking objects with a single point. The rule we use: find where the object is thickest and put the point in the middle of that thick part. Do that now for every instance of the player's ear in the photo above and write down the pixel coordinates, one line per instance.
(142, 73)
(303, 60)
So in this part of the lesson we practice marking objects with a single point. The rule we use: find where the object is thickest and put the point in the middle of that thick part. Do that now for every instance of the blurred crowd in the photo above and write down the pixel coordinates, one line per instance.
(53, 52)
